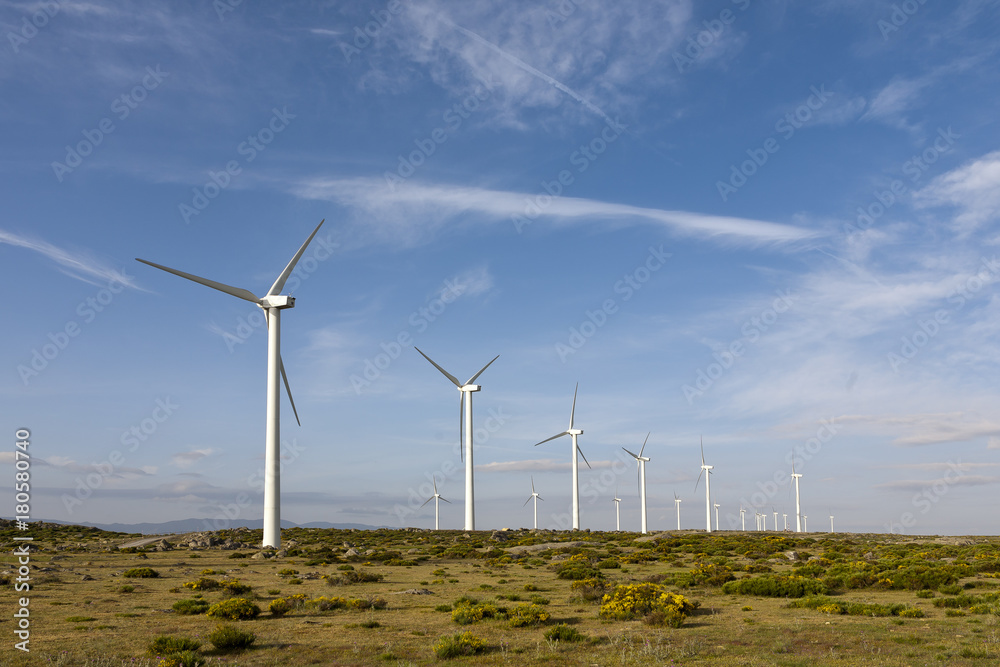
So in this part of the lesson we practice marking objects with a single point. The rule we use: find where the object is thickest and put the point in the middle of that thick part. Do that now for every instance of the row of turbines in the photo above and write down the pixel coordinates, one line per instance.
(273, 302)
(466, 448)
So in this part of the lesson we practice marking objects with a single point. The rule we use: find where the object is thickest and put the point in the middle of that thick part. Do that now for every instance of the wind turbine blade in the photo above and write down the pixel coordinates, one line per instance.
(703, 451)
(461, 426)
(428, 500)
(699, 479)
(572, 412)
(532, 484)
(288, 389)
(446, 373)
(584, 457)
(238, 292)
(434, 479)
(279, 284)
(557, 435)
(644, 444)
(445, 499)
(528, 500)
(632, 454)
(473, 378)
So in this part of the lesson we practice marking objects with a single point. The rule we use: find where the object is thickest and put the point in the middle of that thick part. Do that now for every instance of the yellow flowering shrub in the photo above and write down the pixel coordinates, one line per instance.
(629, 601)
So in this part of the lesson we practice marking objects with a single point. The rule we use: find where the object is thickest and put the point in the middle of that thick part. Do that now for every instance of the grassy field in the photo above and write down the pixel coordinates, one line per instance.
(526, 597)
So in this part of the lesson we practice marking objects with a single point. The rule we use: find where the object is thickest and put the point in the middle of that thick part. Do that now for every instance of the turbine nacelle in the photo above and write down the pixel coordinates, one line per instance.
(470, 387)
(573, 431)
(277, 301)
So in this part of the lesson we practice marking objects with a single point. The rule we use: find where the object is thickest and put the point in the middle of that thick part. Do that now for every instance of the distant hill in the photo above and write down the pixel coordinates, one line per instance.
(198, 525)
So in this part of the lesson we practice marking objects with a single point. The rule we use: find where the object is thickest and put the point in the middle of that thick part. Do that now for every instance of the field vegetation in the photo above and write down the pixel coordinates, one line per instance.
(420, 597)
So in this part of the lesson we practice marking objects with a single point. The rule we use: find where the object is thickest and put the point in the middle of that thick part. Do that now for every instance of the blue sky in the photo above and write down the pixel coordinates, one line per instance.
(769, 224)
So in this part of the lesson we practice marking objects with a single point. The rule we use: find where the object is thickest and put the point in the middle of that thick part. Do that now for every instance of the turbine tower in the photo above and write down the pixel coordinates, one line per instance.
(716, 516)
(805, 523)
(677, 502)
(465, 410)
(618, 511)
(641, 460)
(534, 496)
(436, 497)
(272, 303)
(743, 518)
(573, 433)
(707, 471)
(798, 510)
(785, 516)
(775, 518)
(831, 523)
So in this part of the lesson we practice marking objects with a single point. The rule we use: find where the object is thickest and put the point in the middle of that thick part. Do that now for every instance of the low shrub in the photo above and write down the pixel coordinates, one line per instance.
(279, 607)
(228, 637)
(141, 573)
(190, 607)
(458, 645)
(629, 601)
(524, 615)
(354, 577)
(182, 659)
(590, 589)
(234, 609)
(776, 586)
(203, 584)
(564, 633)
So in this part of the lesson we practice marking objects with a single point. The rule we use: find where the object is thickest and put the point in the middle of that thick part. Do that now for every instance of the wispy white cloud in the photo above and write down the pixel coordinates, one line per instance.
(973, 188)
(75, 264)
(411, 211)
(189, 458)
(928, 484)
(538, 465)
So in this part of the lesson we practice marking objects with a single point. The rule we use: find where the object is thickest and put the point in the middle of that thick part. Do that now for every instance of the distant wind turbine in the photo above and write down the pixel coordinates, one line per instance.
(677, 502)
(775, 518)
(831, 523)
(743, 517)
(618, 512)
(272, 304)
(641, 460)
(717, 516)
(786, 521)
(573, 433)
(534, 496)
(805, 523)
(465, 410)
(708, 493)
(798, 509)
(436, 497)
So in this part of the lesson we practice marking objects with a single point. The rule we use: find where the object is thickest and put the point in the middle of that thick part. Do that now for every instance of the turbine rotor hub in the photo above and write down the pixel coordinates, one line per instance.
(278, 301)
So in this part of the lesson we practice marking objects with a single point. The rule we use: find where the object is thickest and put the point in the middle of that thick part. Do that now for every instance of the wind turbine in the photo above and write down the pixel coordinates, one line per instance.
(677, 502)
(572, 433)
(763, 521)
(534, 496)
(831, 523)
(716, 516)
(775, 518)
(805, 523)
(272, 303)
(465, 410)
(786, 521)
(743, 517)
(618, 511)
(436, 497)
(707, 471)
(798, 511)
(641, 460)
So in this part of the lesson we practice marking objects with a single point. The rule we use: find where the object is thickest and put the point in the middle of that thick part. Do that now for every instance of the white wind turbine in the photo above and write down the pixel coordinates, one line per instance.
(798, 509)
(831, 523)
(573, 433)
(707, 471)
(272, 303)
(805, 523)
(436, 497)
(763, 521)
(534, 496)
(641, 460)
(775, 518)
(785, 516)
(743, 517)
(618, 511)
(465, 410)
(677, 502)
(716, 516)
